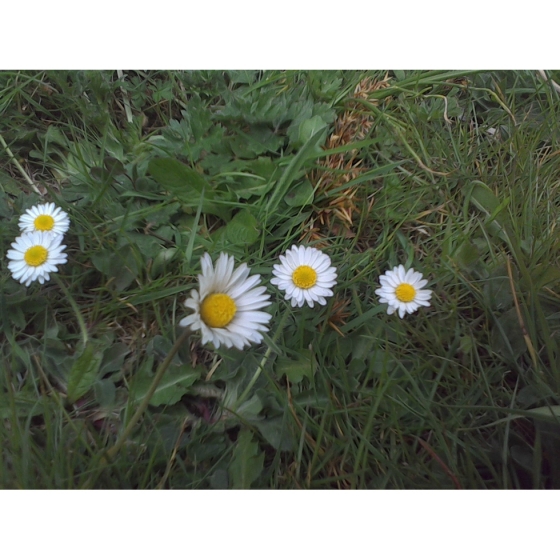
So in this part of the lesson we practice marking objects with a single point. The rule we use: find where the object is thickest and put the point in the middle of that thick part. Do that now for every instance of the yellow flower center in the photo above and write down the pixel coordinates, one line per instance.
(304, 277)
(44, 222)
(36, 255)
(217, 310)
(405, 292)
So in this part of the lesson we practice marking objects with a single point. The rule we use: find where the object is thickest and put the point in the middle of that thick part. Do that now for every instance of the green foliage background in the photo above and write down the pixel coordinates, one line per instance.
(457, 176)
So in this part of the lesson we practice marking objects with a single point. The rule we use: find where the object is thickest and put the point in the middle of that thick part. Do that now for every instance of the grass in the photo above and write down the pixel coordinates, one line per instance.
(453, 173)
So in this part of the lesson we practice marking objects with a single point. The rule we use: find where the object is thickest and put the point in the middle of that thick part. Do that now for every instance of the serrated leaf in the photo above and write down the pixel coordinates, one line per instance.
(84, 373)
(247, 462)
(242, 76)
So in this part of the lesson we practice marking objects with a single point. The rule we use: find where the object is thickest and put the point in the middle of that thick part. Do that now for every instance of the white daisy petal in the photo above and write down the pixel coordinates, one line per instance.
(401, 291)
(44, 218)
(305, 275)
(227, 306)
(35, 255)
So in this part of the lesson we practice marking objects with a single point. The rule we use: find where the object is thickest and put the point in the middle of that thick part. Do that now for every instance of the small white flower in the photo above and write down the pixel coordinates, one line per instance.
(45, 217)
(305, 275)
(35, 255)
(226, 307)
(401, 289)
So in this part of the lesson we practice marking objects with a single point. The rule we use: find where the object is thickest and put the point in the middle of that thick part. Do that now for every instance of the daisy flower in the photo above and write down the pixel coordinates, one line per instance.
(305, 275)
(227, 304)
(401, 289)
(35, 255)
(45, 217)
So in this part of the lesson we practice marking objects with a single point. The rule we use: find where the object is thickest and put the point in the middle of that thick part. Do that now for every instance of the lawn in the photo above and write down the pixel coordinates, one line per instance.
(452, 173)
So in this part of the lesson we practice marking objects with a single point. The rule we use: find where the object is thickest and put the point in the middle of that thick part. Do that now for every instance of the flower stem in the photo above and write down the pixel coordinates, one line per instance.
(111, 452)
(260, 368)
(17, 164)
(74, 305)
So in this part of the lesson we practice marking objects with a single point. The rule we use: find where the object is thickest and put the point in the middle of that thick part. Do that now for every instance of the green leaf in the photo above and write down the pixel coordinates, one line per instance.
(181, 180)
(467, 254)
(296, 370)
(22, 406)
(277, 433)
(105, 393)
(250, 408)
(242, 229)
(547, 413)
(113, 358)
(247, 462)
(84, 373)
(507, 337)
(219, 480)
(545, 274)
(307, 151)
(301, 195)
(484, 199)
(312, 126)
(242, 76)
(119, 265)
(174, 384)
(187, 185)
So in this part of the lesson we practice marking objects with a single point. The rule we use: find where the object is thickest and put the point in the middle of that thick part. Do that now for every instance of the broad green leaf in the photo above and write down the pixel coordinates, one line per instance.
(172, 387)
(301, 195)
(277, 433)
(189, 186)
(219, 480)
(23, 406)
(178, 178)
(296, 370)
(467, 254)
(247, 462)
(119, 265)
(312, 126)
(250, 408)
(113, 358)
(105, 393)
(84, 373)
(484, 199)
(242, 229)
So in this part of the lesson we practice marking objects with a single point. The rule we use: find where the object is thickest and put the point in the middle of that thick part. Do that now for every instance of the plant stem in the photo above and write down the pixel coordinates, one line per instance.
(110, 454)
(259, 369)
(74, 305)
(17, 164)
